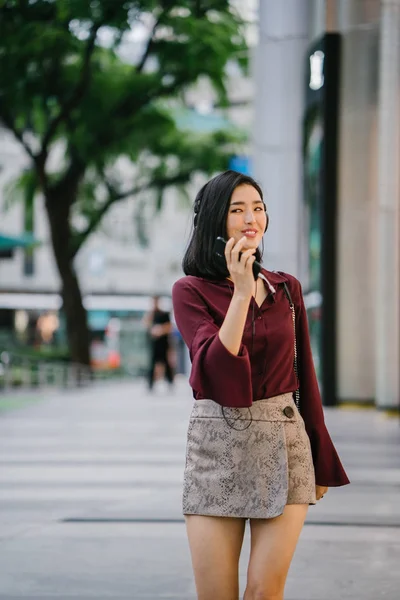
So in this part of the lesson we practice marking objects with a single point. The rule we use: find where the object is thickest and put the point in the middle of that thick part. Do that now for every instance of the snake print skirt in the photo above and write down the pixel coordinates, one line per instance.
(247, 462)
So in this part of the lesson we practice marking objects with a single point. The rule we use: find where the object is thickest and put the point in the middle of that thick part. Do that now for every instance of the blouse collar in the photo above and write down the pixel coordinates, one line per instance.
(273, 277)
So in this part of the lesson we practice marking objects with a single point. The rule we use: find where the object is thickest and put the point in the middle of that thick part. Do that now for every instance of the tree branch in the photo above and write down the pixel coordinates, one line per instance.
(77, 93)
(148, 48)
(114, 197)
(98, 216)
(9, 123)
(39, 164)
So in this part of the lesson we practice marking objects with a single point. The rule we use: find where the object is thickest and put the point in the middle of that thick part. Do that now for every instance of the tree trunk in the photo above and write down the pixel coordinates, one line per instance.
(58, 212)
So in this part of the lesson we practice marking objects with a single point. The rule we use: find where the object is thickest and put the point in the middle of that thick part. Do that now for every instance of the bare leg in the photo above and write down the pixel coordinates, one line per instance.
(215, 545)
(273, 542)
(168, 373)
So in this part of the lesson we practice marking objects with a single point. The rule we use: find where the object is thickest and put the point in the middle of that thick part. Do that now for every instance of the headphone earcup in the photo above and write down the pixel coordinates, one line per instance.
(266, 226)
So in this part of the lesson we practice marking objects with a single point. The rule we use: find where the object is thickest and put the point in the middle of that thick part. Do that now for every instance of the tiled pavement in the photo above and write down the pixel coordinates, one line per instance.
(90, 487)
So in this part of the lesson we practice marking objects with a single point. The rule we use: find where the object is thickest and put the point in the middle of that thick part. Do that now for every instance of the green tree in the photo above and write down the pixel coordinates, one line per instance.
(65, 89)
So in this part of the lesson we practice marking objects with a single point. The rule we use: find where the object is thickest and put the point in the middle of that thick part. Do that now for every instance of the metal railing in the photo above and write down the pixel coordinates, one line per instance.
(22, 372)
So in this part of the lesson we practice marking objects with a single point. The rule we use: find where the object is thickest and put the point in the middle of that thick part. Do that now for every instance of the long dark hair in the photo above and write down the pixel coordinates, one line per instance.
(210, 214)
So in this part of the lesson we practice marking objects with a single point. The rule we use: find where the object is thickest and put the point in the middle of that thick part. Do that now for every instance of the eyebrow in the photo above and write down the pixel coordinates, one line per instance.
(241, 203)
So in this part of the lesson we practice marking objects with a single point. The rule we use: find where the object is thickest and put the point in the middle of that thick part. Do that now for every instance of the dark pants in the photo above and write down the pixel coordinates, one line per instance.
(159, 357)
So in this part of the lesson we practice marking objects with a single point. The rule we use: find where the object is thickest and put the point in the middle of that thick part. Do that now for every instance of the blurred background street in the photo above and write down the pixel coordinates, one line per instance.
(113, 114)
(90, 502)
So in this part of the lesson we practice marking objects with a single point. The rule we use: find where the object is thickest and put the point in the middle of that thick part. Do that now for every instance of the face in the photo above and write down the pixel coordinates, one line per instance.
(246, 216)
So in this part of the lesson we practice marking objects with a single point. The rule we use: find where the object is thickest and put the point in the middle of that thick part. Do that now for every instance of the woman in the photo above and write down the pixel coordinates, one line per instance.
(159, 329)
(250, 453)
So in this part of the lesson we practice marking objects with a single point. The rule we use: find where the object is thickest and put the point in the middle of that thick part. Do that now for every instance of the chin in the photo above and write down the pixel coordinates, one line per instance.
(251, 244)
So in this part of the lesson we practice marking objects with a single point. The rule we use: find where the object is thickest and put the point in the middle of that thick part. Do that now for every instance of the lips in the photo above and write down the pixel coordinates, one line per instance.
(249, 232)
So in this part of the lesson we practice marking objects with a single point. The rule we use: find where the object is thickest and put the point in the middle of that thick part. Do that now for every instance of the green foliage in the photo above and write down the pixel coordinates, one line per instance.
(23, 189)
(63, 78)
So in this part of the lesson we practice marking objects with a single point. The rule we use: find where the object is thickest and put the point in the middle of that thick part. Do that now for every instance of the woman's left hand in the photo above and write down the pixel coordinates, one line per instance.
(320, 491)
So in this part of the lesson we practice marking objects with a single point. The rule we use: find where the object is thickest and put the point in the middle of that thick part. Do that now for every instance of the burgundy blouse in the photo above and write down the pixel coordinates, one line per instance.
(264, 366)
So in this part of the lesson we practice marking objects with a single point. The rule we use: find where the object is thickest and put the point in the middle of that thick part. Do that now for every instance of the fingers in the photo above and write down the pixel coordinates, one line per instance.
(240, 266)
(232, 251)
(247, 259)
(228, 249)
(320, 491)
(234, 255)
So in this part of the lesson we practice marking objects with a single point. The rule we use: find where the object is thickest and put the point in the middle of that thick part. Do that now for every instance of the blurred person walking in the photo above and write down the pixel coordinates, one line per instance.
(257, 449)
(159, 328)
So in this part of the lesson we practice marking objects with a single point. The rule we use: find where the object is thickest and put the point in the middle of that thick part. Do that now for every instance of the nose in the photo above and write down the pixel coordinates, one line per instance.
(249, 216)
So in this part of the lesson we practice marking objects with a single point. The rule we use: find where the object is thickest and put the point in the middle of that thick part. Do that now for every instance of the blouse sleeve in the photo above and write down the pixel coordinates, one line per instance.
(216, 373)
(328, 468)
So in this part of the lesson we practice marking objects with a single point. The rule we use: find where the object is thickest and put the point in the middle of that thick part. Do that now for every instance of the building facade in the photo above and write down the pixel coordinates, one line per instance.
(366, 293)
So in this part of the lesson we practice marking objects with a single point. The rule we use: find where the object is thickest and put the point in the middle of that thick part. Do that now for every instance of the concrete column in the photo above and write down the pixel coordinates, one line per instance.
(357, 203)
(317, 18)
(331, 15)
(279, 67)
(388, 255)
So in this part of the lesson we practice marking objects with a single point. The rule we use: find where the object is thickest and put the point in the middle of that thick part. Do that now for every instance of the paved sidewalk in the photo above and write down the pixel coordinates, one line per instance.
(90, 486)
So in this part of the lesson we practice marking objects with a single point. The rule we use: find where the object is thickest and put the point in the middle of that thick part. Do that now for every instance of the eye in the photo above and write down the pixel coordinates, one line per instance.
(259, 208)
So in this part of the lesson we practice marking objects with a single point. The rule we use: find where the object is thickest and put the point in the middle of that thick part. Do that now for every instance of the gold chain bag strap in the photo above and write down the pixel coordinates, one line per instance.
(296, 370)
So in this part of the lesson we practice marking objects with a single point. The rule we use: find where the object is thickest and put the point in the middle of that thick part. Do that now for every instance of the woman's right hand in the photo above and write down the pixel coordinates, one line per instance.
(240, 270)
